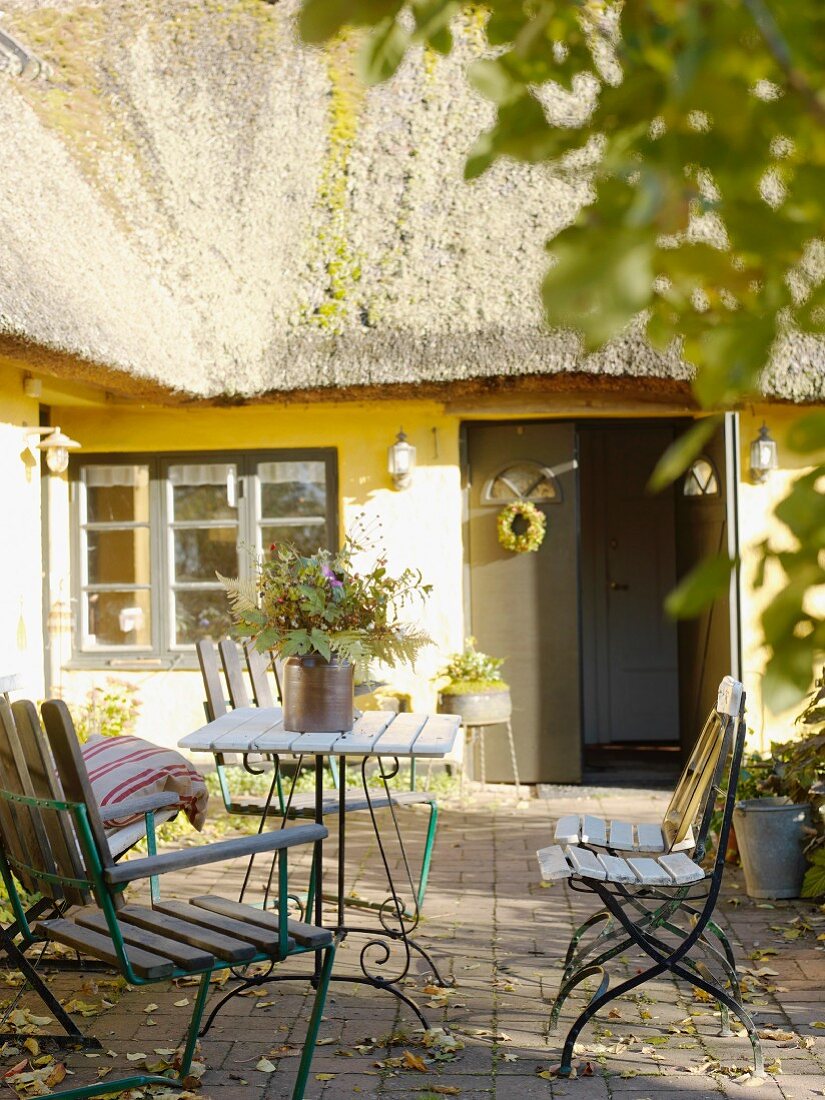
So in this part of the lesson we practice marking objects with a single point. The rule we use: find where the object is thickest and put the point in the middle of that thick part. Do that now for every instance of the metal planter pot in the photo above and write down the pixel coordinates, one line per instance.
(478, 708)
(769, 832)
(318, 695)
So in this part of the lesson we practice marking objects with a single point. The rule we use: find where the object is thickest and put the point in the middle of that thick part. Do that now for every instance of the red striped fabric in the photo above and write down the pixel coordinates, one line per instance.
(128, 767)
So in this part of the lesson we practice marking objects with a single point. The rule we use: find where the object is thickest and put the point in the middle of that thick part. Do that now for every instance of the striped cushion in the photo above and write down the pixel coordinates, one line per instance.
(127, 767)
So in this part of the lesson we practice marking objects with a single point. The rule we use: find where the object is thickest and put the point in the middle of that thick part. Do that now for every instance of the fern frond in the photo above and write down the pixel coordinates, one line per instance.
(241, 593)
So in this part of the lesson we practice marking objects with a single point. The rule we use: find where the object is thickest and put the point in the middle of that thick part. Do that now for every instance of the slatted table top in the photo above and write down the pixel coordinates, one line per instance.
(376, 732)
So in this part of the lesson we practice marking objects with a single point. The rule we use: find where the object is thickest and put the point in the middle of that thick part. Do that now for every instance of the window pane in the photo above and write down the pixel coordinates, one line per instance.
(206, 491)
(305, 537)
(201, 614)
(118, 618)
(117, 494)
(292, 489)
(523, 481)
(199, 552)
(118, 557)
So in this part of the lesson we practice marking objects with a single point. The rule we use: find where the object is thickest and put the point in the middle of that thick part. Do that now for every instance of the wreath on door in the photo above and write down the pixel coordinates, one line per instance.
(528, 540)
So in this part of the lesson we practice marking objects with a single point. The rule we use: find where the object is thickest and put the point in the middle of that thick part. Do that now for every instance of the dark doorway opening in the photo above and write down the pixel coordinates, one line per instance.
(606, 689)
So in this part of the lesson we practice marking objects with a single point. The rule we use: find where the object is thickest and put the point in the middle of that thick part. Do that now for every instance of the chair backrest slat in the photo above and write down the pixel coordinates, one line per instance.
(208, 660)
(45, 783)
(72, 771)
(258, 665)
(688, 804)
(19, 840)
(232, 670)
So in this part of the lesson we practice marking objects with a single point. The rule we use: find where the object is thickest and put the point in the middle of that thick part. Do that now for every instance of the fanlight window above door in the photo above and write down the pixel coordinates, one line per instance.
(701, 480)
(523, 481)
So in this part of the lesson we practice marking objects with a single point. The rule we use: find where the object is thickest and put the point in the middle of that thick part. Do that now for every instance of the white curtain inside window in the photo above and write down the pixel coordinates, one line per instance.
(107, 477)
(280, 473)
(207, 473)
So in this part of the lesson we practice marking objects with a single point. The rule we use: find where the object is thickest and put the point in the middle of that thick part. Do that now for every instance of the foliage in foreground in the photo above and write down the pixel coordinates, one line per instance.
(705, 151)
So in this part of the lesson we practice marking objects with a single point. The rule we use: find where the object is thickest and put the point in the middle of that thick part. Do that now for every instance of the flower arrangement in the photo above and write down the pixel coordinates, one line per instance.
(472, 672)
(531, 537)
(323, 604)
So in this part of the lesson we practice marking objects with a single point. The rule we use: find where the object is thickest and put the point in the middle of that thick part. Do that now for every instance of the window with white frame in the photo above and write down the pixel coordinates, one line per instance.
(152, 532)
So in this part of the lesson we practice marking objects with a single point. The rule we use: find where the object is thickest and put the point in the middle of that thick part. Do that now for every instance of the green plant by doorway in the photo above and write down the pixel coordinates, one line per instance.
(471, 672)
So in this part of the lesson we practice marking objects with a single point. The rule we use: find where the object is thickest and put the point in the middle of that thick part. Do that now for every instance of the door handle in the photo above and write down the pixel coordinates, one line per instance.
(617, 587)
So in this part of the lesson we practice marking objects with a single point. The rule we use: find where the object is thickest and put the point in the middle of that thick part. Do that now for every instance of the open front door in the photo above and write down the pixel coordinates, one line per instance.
(525, 607)
(705, 653)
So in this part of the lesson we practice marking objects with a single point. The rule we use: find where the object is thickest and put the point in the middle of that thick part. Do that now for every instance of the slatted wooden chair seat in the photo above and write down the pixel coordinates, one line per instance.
(676, 868)
(53, 841)
(655, 894)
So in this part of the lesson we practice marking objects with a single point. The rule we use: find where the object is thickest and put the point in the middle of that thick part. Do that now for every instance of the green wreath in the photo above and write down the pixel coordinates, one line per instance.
(529, 540)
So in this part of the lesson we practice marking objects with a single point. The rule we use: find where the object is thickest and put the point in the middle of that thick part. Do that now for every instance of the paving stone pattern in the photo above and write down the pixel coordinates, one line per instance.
(500, 934)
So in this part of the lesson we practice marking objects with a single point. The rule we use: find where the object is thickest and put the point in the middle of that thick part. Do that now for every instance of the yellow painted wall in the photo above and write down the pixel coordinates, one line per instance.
(421, 526)
(21, 635)
(756, 523)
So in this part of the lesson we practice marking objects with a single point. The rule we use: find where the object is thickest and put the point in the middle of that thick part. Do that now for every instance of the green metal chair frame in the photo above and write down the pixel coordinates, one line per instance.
(639, 916)
(57, 845)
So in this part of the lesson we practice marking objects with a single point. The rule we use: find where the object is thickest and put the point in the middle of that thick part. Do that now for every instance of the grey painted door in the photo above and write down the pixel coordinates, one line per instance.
(631, 681)
(525, 606)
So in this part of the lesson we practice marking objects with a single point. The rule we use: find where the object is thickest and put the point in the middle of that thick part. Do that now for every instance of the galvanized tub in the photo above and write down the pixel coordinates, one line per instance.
(769, 832)
(478, 708)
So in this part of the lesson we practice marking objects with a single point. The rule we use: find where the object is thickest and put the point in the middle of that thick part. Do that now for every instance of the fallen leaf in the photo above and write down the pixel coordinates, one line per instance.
(57, 1075)
(414, 1062)
(135, 1057)
(265, 1066)
(324, 1076)
(775, 1035)
(182, 1003)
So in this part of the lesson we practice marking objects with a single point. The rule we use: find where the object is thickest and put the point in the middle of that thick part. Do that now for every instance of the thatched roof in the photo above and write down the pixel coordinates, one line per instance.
(195, 203)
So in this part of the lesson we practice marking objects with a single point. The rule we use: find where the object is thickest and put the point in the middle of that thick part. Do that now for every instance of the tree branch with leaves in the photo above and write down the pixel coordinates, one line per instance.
(704, 149)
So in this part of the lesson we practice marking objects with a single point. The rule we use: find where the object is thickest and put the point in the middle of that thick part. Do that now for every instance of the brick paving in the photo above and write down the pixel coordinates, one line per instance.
(499, 934)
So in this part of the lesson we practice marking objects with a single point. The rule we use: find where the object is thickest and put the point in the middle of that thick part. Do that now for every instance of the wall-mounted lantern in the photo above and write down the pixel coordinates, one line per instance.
(57, 445)
(401, 461)
(764, 456)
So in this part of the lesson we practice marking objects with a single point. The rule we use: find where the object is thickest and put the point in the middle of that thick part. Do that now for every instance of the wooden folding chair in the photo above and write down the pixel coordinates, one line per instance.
(661, 904)
(53, 841)
(23, 750)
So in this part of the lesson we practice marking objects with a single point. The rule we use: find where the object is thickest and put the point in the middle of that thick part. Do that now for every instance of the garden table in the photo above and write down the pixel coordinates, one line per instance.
(386, 738)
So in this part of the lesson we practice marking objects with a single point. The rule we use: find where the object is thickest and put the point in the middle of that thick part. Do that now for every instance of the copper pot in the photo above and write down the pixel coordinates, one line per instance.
(318, 695)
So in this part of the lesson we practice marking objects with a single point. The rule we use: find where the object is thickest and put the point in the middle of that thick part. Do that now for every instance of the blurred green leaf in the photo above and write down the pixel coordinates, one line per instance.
(788, 674)
(432, 20)
(383, 51)
(802, 509)
(709, 580)
(682, 452)
(494, 82)
(320, 20)
(807, 436)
